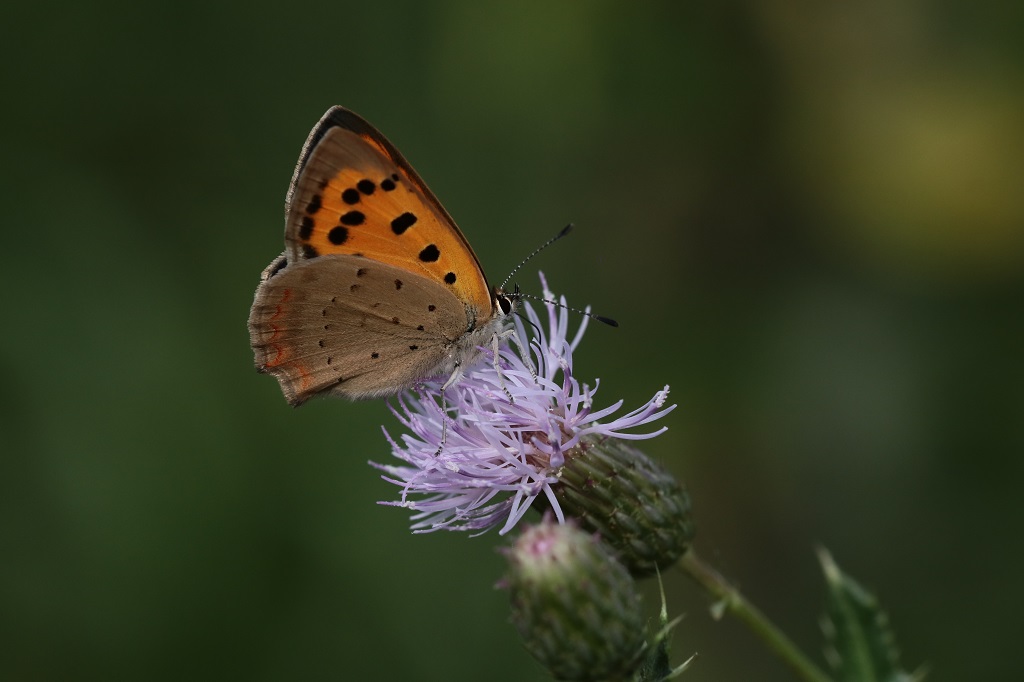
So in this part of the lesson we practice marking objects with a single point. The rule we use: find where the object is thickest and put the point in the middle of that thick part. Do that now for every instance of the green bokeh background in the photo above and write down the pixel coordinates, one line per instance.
(807, 217)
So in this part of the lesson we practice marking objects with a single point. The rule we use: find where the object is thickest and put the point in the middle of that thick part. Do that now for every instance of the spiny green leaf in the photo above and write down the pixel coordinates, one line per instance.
(656, 666)
(862, 646)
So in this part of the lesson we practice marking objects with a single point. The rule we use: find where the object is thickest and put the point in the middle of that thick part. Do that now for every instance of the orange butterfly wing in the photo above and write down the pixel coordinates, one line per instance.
(354, 193)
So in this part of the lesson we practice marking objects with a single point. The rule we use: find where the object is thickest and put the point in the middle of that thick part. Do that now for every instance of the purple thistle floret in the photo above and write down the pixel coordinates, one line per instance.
(500, 456)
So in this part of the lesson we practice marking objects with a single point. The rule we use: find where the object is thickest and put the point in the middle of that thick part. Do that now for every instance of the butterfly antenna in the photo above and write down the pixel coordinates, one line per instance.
(594, 316)
(565, 230)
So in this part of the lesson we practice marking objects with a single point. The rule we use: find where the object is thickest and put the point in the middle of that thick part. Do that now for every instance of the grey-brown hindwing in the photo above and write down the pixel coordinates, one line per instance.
(351, 326)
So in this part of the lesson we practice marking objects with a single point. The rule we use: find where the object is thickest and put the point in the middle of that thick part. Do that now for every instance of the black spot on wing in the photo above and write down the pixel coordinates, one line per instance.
(353, 218)
(338, 235)
(403, 222)
(430, 254)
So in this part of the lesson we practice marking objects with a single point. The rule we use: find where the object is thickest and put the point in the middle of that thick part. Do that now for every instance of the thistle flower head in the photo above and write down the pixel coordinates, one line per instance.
(499, 457)
(577, 609)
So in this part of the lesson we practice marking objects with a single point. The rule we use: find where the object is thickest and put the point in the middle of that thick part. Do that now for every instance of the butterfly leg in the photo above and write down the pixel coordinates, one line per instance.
(457, 374)
(524, 351)
(495, 339)
(444, 423)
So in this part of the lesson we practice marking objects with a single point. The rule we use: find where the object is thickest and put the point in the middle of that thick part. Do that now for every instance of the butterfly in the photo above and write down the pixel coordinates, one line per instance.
(377, 288)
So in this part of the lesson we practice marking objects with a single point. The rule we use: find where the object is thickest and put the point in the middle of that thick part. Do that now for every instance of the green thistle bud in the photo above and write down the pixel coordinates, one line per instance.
(575, 606)
(631, 501)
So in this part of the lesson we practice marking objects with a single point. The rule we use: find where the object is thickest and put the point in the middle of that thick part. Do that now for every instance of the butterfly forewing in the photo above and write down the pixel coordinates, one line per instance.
(353, 193)
(353, 327)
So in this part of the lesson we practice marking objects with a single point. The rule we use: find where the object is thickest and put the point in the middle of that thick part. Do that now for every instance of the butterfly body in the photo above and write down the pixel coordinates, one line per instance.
(377, 288)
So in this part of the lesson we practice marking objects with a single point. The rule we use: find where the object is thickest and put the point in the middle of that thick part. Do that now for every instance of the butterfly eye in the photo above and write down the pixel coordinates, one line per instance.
(506, 303)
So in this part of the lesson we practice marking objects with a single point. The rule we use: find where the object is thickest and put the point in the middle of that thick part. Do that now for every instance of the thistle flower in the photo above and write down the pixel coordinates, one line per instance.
(576, 608)
(500, 457)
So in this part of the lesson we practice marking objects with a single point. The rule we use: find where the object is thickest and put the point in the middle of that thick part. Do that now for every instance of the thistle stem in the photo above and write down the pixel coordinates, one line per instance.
(735, 603)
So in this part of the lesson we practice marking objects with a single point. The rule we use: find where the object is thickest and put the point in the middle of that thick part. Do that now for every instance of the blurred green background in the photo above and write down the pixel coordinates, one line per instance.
(807, 217)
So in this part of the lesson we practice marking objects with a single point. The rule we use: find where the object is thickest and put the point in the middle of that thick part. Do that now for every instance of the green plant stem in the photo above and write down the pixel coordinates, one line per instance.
(734, 602)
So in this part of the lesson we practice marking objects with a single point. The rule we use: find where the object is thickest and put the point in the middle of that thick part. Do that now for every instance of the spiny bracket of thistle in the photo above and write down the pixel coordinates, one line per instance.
(656, 666)
(861, 643)
(631, 501)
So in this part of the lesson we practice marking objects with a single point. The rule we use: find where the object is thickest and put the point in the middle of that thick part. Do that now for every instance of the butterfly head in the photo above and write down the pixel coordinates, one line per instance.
(505, 302)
